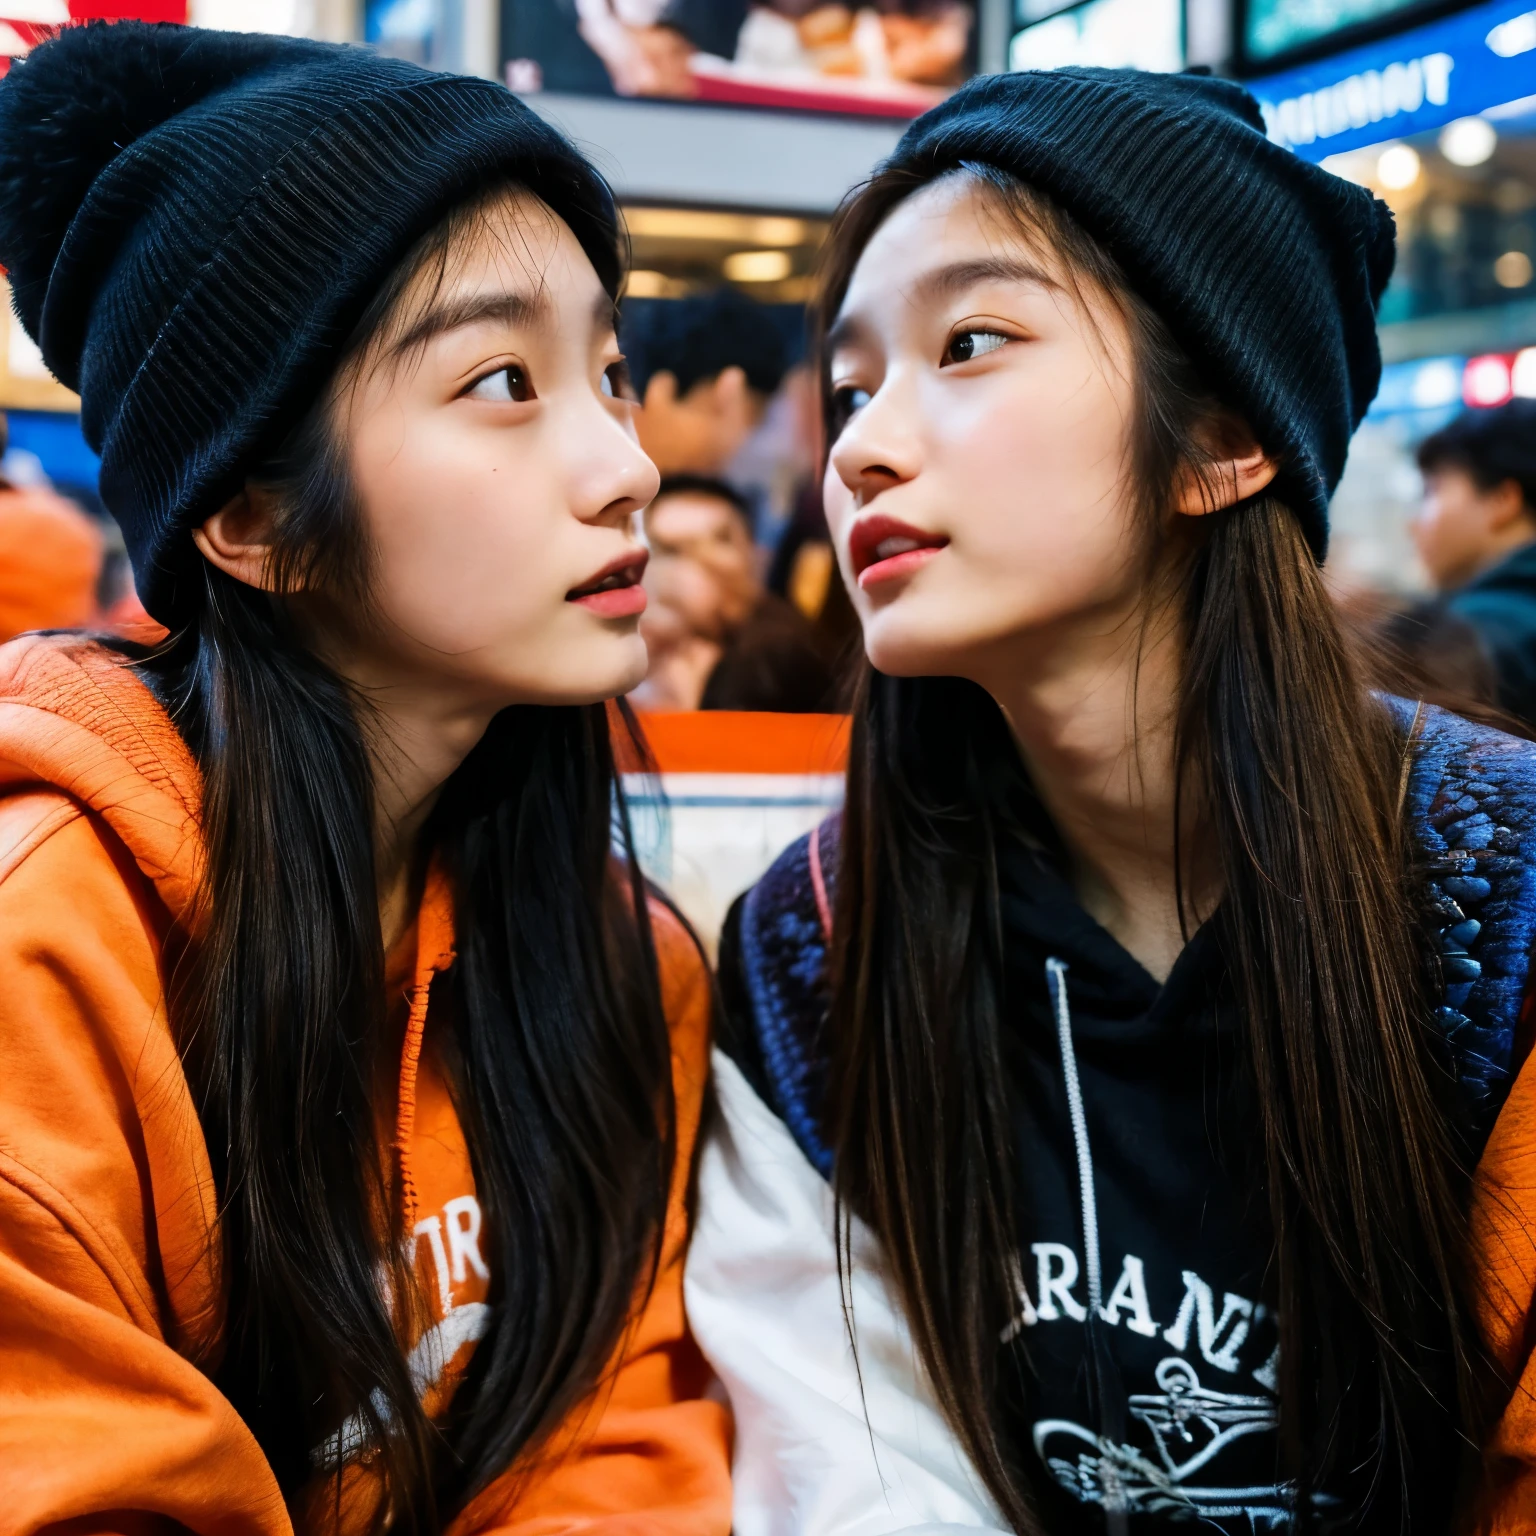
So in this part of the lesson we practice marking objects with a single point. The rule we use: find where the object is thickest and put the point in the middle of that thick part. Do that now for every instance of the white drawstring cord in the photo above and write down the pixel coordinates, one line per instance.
(1056, 980)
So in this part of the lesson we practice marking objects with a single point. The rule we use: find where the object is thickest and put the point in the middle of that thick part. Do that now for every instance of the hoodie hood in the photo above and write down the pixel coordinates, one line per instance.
(76, 716)
(1115, 1000)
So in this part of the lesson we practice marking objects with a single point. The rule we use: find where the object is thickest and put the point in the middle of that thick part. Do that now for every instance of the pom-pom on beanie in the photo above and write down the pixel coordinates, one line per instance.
(193, 223)
(1266, 268)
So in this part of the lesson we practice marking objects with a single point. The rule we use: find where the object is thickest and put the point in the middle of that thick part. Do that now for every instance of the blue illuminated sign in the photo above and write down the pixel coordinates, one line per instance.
(1415, 81)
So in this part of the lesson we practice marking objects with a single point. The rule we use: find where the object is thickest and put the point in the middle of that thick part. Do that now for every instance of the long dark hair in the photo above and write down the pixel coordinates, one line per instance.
(558, 1047)
(1293, 773)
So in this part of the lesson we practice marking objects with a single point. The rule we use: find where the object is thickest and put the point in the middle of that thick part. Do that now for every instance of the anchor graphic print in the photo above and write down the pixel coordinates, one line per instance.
(1194, 1436)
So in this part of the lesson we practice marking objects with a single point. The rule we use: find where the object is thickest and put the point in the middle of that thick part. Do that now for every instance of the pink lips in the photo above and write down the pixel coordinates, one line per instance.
(615, 591)
(894, 567)
(885, 549)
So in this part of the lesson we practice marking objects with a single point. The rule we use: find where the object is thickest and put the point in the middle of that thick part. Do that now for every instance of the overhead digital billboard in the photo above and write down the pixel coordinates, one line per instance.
(1275, 28)
(885, 57)
(1113, 34)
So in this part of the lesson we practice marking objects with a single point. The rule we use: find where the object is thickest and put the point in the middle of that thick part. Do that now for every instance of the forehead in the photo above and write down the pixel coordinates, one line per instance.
(1449, 475)
(512, 243)
(517, 241)
(952, 221)
(692, 509)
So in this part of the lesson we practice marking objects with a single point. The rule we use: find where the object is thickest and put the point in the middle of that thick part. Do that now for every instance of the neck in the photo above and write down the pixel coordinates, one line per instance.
(415, 743)
(417, 729)
(1094, 716)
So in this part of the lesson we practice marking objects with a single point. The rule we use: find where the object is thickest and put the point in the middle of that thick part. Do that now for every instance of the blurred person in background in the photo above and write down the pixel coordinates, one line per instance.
(51, 558)
(1101, 1089)
(1476, 534)
(351, 1076)
(1449, 652)
(705, 368)
(716, 638)
(1416, 648)
(720, 402)
(804, 570)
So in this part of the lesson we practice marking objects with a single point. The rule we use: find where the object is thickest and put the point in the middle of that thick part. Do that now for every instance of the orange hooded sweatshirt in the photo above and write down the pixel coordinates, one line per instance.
(111, 1299)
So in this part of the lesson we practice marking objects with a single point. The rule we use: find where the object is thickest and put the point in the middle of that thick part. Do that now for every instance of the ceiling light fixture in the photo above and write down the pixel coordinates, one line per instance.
(1468, 141)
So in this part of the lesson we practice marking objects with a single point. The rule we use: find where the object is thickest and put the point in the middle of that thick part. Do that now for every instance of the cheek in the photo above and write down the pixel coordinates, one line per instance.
(1031, 490)
(1448, 531)
(1037, 483)
(837, 506)
(465, 540)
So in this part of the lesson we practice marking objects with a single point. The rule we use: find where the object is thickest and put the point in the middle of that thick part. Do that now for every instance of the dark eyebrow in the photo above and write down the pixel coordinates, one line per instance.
(502, 308)
(845, 329)
(511, 309)
(947, 282)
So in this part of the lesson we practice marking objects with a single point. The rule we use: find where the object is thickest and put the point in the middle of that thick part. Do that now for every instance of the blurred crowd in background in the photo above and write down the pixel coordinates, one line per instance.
(730, 128)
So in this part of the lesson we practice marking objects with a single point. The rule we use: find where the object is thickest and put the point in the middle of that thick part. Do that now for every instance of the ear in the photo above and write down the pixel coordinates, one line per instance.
(238, 538)
(660, 391)
(1505, 505)
(733, 395)
(1236, 469)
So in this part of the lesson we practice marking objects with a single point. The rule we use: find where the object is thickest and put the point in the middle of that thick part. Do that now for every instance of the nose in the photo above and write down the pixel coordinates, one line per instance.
(611, 477)
(881, 445)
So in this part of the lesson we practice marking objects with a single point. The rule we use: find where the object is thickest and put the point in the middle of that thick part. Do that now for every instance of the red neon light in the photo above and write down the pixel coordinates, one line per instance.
(1486, 381)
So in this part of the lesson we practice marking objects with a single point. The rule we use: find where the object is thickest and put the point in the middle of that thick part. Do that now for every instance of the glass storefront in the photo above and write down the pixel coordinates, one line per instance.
(678, 251)
(1465, 203)
(1439, 121)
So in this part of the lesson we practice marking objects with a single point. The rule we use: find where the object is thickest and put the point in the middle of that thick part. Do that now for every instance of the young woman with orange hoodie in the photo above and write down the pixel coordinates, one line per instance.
(350, 1080)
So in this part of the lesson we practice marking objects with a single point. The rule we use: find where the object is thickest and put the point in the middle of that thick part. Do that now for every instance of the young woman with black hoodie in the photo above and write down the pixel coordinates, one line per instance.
(1123, 1117)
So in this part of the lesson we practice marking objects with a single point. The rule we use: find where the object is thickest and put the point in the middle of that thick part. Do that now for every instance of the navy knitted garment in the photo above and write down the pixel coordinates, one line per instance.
(193, 223)
(1470, 804)
(1266, 268)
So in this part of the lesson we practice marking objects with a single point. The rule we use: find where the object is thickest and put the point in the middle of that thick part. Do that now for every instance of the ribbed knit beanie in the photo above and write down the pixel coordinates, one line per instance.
(1266, 268)
(193, 223)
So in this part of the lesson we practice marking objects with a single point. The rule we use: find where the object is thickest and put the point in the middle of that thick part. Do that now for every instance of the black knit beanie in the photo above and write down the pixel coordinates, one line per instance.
(193, 222)
(1266, 268)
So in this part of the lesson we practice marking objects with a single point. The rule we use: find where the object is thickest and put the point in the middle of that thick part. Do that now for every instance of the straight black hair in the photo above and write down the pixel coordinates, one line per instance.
(558, 1049)
(1293, 773)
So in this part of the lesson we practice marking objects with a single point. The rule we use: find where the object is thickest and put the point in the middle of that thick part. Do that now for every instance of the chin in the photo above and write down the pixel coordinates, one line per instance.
(902, 649)
(587, 674)
(622, 670)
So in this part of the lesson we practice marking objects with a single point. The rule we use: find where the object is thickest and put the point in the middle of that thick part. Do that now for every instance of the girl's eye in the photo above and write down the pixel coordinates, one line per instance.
(847, 399)
(966, 345)
(616, 382)
(506, 384)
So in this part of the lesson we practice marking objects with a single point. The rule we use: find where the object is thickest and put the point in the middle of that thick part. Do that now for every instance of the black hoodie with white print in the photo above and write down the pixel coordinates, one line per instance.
(1145, 1345)
(1143, 1355)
